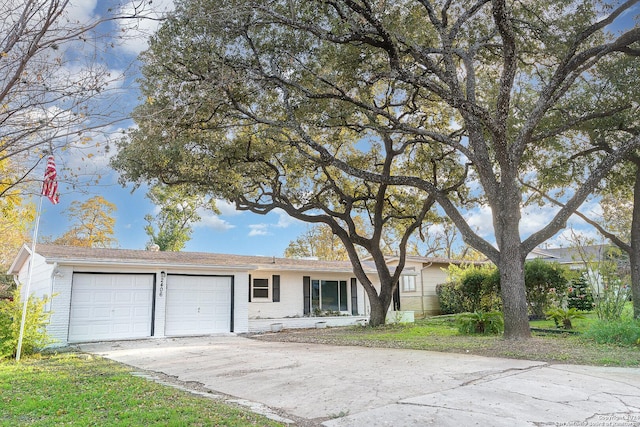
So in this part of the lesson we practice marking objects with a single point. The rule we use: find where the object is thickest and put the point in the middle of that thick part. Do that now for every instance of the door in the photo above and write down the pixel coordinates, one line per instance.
(197, 305)
(110, 306)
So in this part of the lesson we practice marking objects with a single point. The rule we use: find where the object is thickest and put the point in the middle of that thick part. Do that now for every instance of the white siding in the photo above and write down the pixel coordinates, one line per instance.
(292, 295)
(59, 322)
(40, 279)
(241, 303)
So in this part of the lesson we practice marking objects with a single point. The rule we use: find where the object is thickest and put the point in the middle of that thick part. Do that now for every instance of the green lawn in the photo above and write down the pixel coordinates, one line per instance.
(79, 390)
(441, 334)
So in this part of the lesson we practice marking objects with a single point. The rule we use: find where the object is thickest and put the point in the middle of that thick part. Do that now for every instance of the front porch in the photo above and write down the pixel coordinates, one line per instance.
(275, 324)
(265, 325)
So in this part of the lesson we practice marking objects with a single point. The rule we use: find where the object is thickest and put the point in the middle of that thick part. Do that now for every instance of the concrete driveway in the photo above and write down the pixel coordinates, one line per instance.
(309, 384)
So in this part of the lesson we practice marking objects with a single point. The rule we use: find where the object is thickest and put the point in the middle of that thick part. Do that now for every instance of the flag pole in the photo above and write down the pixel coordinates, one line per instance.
(29, 275)
(50, 190)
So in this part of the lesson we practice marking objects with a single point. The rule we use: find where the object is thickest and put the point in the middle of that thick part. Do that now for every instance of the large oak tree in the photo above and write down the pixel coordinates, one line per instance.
(389, 93)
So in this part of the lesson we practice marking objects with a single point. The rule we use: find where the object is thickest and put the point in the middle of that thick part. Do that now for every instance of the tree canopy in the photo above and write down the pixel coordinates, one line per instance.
(172, 226)
(411, 97)
(92, 224)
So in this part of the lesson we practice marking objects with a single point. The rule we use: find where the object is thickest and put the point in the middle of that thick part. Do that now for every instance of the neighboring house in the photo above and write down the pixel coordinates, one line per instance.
(417, 285)
(109, 294)
(571, 257)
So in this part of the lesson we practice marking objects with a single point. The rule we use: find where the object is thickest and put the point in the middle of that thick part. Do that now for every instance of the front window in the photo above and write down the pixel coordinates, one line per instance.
(329, 295)
(260, 288)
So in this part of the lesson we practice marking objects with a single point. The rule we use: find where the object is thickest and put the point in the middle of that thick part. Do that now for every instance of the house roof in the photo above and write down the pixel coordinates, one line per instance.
(434, 260)
(101, 256)
(570, 255)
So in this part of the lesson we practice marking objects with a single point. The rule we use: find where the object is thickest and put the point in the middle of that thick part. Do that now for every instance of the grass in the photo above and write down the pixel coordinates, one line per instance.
(440, 334)
(79, 390)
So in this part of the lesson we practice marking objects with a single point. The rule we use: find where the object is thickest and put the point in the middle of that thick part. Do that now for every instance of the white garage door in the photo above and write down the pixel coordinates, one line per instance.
(197, 305)
(110, 306)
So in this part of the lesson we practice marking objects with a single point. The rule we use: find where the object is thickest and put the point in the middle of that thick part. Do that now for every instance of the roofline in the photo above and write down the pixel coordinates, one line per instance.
(20, 259)
(146, 263)
(25, 253)
(428, 260)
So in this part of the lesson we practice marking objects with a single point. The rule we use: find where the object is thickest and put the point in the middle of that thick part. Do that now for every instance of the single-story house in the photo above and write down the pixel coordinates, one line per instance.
(112, 294)
(571, 257)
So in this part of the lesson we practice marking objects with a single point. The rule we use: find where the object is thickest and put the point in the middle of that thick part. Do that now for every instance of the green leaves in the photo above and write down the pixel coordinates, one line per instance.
(35, 336)
(171, 227)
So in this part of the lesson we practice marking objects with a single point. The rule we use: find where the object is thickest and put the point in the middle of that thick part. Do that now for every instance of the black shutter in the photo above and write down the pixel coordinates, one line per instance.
(275, 286)
(306, 290)
(249, 288)
(354, 296)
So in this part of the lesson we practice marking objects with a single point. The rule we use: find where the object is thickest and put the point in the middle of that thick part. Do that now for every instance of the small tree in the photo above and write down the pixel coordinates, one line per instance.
(580, 296)
(35, 336)
(546, 286)
(92, 225)
(608, 277)
(171, 228)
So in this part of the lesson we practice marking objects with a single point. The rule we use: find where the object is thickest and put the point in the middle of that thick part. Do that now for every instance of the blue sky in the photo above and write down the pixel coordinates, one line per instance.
(230, 231)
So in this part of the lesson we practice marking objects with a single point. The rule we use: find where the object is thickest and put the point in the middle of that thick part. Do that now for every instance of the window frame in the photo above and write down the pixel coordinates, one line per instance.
(343, 292)
(408, 285)
(255, 288)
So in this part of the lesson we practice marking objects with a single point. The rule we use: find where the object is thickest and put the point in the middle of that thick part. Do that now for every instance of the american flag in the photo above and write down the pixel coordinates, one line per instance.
(50, 184)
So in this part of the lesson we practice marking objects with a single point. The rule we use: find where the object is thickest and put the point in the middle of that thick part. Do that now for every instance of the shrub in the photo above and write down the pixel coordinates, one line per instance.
(562, 318)
(449, 298)
(546, 286)
(471, 289)
(620, 332)
(34, 337)
(480, 322)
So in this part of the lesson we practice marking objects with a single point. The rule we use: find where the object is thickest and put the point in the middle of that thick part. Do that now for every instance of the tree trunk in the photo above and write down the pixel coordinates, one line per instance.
(506, 215)
(379, 304)
(634, 255)
(514, 297)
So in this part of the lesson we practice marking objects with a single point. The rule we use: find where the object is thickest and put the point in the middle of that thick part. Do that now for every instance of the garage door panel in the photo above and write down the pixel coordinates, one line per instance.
(110, 306)
(198, 305)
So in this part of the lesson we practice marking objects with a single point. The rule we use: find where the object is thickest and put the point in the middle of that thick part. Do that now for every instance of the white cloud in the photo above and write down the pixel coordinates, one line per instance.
(284, 220)
(535, 217)
(137, 31)
(81, 10)
(210, 220)
(481, 221)
(226, 208)
(259, 230)
(567, 237)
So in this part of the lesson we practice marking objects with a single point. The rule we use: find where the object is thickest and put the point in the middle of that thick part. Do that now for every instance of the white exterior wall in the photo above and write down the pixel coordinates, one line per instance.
(58, 327)
(45, 282)
(241, 302)
(292, 294)
(40, 280)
